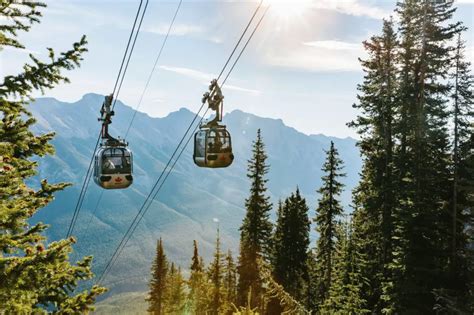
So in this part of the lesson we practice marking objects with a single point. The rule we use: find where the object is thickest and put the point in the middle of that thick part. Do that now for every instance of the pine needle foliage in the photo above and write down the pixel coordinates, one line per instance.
(215, 272)
(36, 276)
(230, 283)
(328, 214)
(159, 282)
(175, 295)
(291, 246)
(255, 232)
(199, 288)
(410, 218)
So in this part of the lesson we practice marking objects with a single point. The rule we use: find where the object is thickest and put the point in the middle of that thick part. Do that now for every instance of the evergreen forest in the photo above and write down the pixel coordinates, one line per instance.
(405, 246)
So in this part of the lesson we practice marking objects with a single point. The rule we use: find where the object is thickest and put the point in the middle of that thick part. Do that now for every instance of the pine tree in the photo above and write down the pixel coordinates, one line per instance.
(312, 291)
(327, 215)
(174, 298)
(215, 276)
(158, 282)
(291, 242)
(230, 284)
(402, 233)
(274, 291)
(463, 179)
(36, 275)
(421, 218)
(376, 195)
(199, 289)
(344, 293)
(256, 228)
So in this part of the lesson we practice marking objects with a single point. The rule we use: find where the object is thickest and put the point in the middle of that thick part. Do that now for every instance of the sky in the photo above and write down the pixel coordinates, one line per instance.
(301, 65)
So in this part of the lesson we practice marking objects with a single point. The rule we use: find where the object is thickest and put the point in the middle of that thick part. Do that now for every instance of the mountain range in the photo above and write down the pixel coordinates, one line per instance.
(192, 200)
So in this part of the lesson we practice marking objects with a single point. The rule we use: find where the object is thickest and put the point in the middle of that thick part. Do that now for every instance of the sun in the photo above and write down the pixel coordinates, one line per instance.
(289, 9)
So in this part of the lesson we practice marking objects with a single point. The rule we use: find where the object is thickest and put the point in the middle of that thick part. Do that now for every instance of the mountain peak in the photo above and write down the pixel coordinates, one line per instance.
(91, 97)
(182, 112)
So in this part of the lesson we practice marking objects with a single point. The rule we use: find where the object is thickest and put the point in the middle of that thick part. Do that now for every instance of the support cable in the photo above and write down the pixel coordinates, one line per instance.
(152, 195)
(121, 74)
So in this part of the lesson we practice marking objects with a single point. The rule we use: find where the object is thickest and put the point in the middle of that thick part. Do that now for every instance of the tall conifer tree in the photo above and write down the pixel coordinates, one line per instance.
(230, 283)
(215, 275)
(256, 228)
(463, 178)
(291, 242)
(174, 298)
(158, 283)
(345, 291)
(35, 276)
(421, 221)
(376, 194)
(402, 232)
(199, 290)
(327, 217)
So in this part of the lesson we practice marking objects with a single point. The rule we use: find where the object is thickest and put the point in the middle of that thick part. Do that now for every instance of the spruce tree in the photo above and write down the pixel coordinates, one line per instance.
(174, 298)
(199, 289)
(230, 283)
(312, 302)
(403, 234)
(421, 224)
(291, 242)
(158, 282)
(215, 275)
(327, 217)
(36, 276)
(256, 228)
(345, 292)
(376, 194)
(463, 179)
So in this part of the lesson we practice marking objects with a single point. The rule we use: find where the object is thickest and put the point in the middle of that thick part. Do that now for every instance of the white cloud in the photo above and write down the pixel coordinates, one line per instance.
(320, 56)
(196, 31)
(190, 73)
(334, 45)
(205, 78)
(351, 7)
(158, 100)
(241, 89)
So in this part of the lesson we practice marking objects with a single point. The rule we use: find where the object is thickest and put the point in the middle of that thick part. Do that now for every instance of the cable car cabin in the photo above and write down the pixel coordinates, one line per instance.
(113, 167)
(212, 147)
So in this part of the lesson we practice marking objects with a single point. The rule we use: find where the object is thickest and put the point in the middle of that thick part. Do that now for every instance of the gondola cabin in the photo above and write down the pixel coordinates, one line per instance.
(213, 147)
(113, 167)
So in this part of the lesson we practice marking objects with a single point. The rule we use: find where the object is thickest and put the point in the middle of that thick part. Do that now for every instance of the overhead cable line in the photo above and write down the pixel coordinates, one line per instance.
(240, 39)
(130, 55)
(120, 76)
(160, 51)
(245, 46)
(158, 56)
(151, 196)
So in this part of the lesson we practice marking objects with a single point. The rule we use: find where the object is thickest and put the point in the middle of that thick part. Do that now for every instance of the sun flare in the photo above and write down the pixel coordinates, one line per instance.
(289, 9)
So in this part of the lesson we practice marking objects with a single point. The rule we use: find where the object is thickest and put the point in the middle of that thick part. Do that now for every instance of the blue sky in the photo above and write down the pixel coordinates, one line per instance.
(301, 65)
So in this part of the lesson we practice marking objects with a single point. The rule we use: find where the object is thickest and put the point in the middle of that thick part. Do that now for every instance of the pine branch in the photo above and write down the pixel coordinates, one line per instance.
(275, 290)
(41, 75)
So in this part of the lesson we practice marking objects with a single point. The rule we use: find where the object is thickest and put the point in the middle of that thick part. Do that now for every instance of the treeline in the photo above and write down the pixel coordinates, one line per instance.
(415, 198)
(407, 247)
(276, 271)
(227, 286)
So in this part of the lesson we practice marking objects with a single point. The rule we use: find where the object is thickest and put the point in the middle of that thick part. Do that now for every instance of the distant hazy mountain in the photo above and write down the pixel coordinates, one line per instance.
(191, 198)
